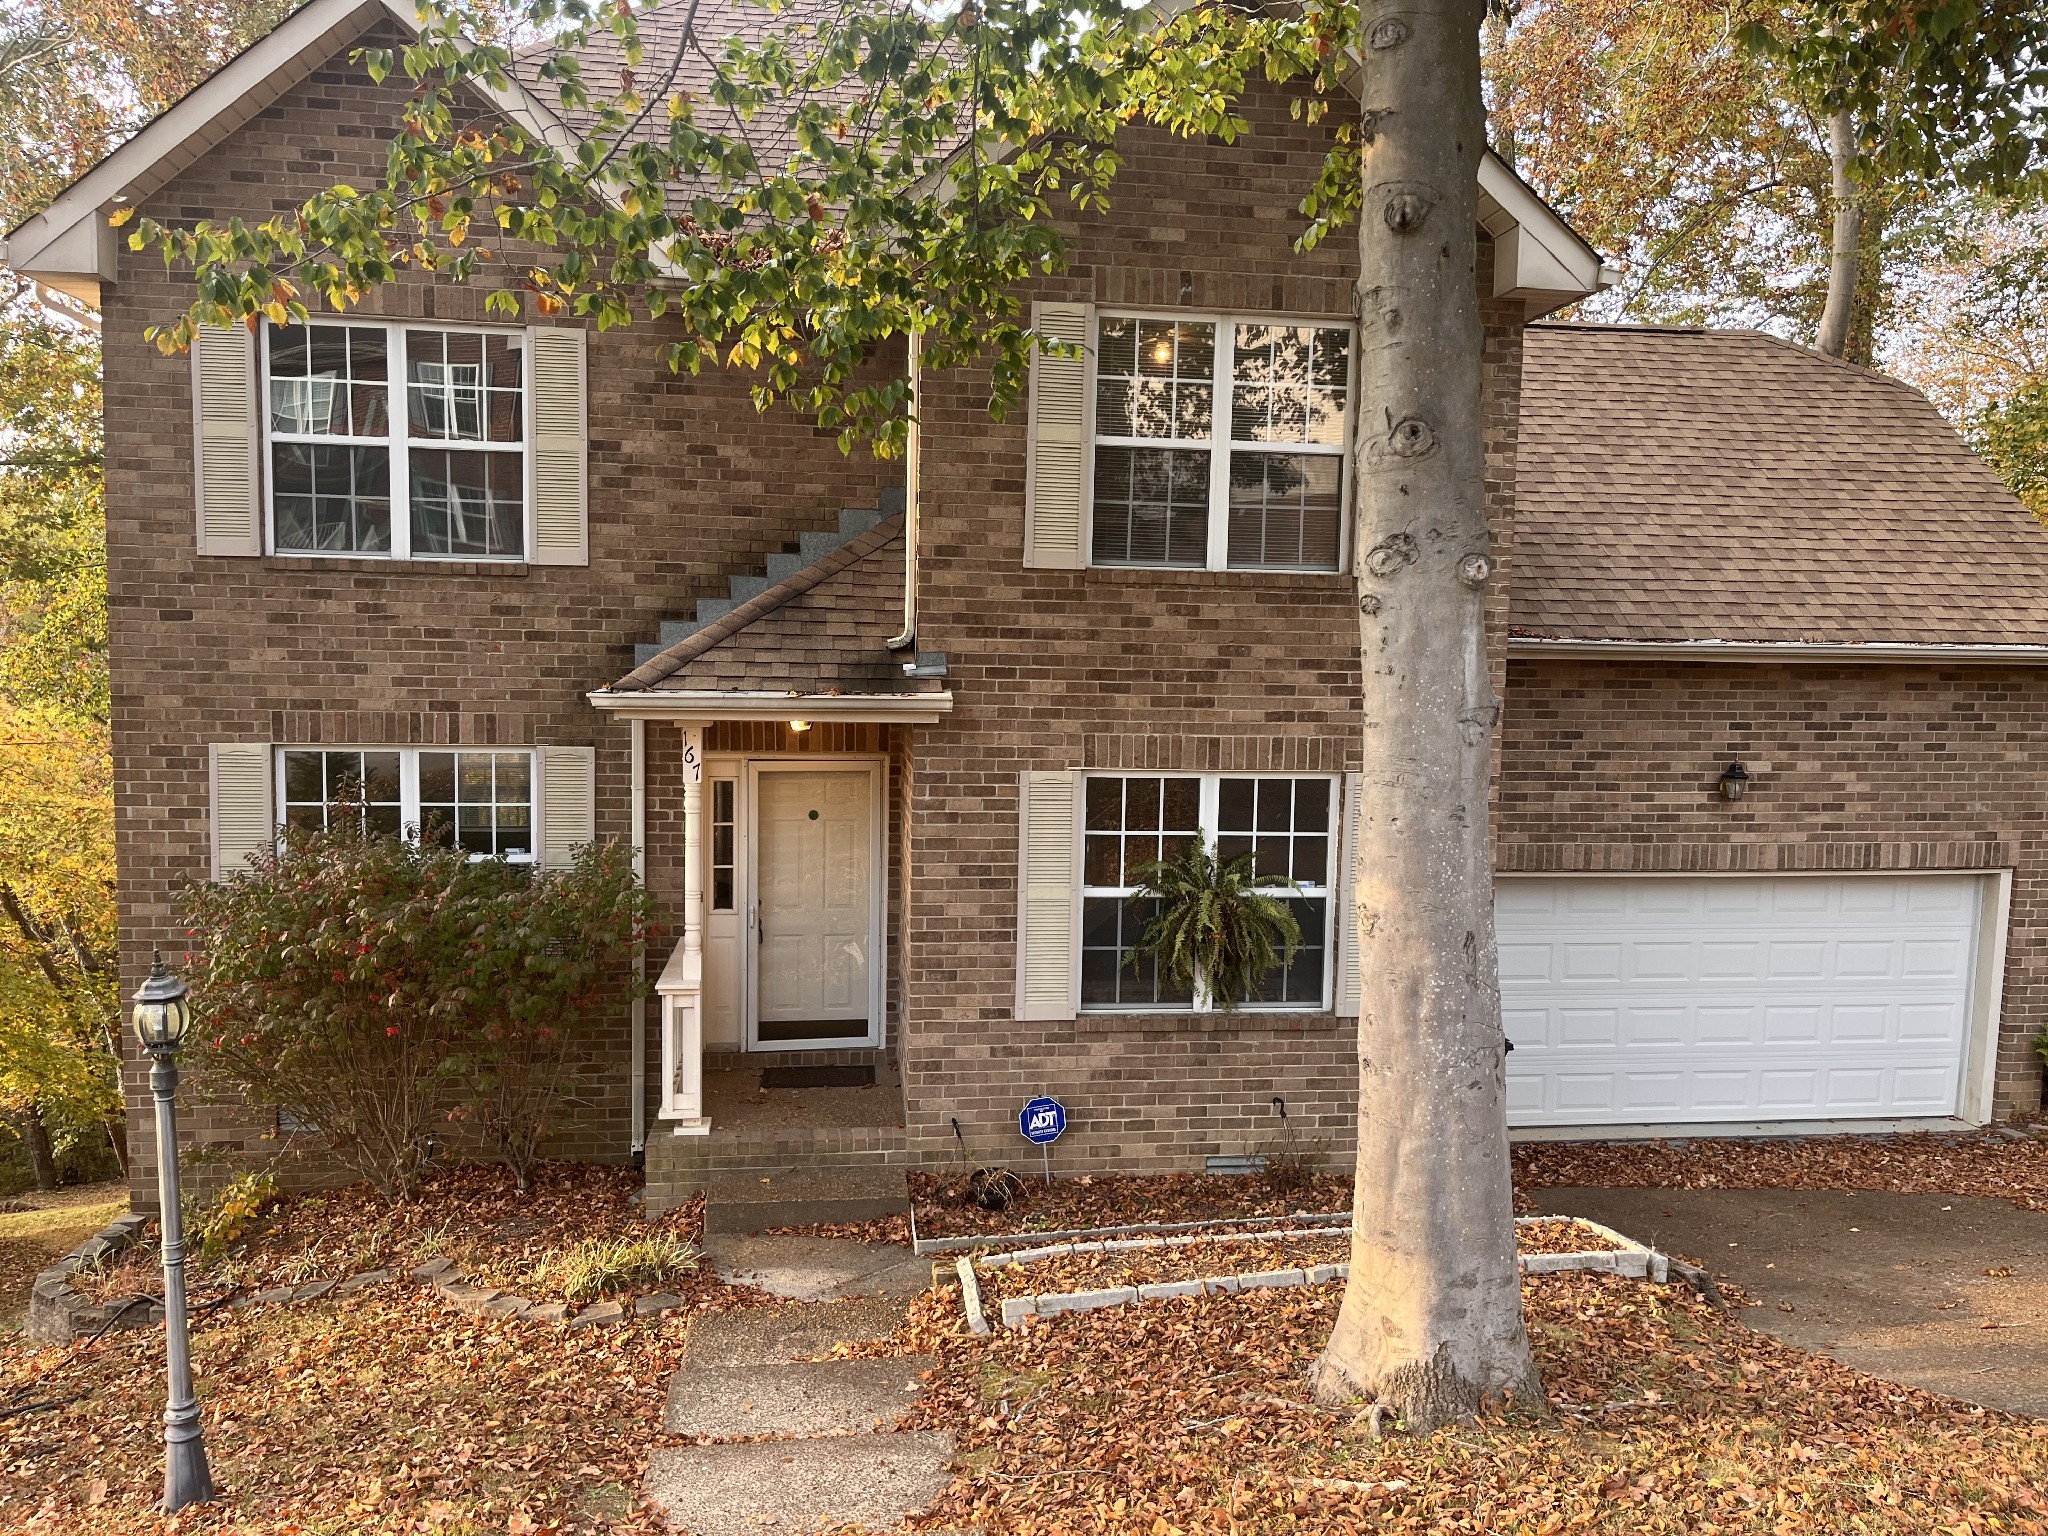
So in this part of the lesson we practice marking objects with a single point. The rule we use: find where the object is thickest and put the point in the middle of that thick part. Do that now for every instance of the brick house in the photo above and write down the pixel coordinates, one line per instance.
(890, 743)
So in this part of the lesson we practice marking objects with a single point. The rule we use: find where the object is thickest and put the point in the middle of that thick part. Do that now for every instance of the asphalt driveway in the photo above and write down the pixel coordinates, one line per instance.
(1944, 1292)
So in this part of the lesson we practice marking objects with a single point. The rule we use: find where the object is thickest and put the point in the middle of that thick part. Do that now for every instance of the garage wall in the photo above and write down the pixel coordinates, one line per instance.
(1610, 766)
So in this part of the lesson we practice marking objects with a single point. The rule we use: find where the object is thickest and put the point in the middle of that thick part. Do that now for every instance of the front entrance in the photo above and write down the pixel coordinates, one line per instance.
(816, 908)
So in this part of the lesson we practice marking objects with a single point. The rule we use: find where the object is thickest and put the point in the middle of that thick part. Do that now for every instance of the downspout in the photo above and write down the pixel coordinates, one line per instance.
(908, 638)
(638, 729)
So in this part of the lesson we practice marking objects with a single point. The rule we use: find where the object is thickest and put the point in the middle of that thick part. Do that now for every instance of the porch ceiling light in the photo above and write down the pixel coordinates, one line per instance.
(1734, 781)
(160, 1010)
(799, 725)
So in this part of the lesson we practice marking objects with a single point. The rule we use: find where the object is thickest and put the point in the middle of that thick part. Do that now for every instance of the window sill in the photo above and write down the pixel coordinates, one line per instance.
(1194, 576)
(1246, 1021)
(371, 565)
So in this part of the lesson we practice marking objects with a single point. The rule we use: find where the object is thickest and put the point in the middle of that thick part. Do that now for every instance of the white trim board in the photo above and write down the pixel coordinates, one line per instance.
(1748, 1128)
(1812, 652)
(709, 704)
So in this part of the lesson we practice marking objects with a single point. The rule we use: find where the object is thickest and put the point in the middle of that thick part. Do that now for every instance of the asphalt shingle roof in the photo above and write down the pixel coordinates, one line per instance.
(1726, 485)
(821, 630)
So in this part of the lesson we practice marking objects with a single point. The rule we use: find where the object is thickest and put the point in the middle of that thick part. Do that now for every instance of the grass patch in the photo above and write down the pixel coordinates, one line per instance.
(30, 1240)
(605, 1267)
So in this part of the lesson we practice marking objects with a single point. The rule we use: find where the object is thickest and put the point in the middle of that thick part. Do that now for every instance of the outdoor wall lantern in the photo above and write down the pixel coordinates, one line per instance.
(799, 726)
(161, 1018)
(1734, 781)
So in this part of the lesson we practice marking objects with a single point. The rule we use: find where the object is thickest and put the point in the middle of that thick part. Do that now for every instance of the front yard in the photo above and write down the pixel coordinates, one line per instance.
(388, 1410)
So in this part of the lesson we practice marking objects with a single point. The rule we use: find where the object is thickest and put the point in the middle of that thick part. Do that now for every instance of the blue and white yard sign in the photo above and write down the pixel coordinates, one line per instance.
(1042, 1120)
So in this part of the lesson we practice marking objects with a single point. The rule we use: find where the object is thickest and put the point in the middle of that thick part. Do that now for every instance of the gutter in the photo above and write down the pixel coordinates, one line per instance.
(710, 704)
(1812, 652)
(905, 640)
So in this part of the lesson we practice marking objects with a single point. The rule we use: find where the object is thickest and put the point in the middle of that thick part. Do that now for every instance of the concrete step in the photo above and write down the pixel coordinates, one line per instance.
(802, 1197)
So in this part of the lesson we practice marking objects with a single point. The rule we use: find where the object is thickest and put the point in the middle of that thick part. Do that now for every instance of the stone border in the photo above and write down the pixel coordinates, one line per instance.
(58, 1314)
(1628, 1258)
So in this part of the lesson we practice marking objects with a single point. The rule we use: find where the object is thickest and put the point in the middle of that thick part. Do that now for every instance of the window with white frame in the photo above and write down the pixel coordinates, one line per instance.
(724, 849)
(439, 473)
(1284, 824)
(478, 801)
(1220, 444)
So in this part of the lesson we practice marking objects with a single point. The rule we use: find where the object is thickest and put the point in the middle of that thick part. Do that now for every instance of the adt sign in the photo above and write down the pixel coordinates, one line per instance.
(1042, 1120)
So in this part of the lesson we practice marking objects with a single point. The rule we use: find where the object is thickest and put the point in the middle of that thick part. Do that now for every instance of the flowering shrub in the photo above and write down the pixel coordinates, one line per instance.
(373, 988)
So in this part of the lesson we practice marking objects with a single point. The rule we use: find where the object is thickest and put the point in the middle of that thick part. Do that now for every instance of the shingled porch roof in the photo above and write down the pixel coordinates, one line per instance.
(818, 635)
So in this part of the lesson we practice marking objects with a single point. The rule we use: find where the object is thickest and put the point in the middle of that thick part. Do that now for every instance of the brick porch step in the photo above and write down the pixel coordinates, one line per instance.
(801, 1197)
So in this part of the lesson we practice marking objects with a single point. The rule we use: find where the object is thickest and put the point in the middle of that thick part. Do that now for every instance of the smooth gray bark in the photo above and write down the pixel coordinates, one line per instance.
(1848, 237)
(1431, 1323)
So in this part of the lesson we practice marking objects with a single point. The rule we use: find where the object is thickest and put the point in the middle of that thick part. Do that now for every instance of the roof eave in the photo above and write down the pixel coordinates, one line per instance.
(1812, 652)
(713, 704)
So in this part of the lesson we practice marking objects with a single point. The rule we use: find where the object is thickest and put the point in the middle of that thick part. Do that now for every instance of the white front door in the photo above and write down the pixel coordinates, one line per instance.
(1674, 1000)
(817, 908)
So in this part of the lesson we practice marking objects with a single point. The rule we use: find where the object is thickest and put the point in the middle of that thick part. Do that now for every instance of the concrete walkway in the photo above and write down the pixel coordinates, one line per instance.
(837, 1457)
(1943, 1292)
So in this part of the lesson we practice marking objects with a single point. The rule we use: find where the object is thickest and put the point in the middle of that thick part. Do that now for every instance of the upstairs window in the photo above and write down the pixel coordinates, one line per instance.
(439, 472)
(1220, 444)
(1285, 824)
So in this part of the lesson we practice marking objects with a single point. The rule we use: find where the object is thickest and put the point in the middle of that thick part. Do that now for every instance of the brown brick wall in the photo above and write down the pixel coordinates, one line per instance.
(688, 484)
(1615, 766)
(1144, 669)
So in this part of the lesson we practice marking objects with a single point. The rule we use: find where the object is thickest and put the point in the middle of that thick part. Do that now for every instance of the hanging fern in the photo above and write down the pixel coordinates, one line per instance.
(1215, 929)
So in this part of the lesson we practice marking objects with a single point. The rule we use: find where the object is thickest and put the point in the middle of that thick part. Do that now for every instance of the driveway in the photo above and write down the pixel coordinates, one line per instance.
(1944, 1292)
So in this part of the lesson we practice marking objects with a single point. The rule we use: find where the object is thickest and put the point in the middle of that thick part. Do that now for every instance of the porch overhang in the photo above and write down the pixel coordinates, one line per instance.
(711, 705)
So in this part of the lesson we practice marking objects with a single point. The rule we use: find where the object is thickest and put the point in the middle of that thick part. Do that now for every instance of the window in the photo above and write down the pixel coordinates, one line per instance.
(442, 476)
(722, 846)
(1219, 444)
(480, 801)
(1283, 823)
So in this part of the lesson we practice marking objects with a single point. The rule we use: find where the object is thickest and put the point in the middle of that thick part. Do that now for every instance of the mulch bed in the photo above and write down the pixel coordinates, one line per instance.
(1202, 1260)
(1107, 1200)
(1667, 1418)
(1989, 1163)
(497, 1235)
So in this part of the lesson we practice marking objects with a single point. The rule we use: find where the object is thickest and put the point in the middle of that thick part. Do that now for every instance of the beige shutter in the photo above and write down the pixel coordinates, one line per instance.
(1346, 1006)
(568, 803)
(225, 441)
(559, 445)
(1056, 472)
(1048, 953)
(240, 801)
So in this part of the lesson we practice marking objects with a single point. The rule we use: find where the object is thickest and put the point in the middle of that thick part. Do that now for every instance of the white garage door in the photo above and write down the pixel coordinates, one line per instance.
(1658, 1000)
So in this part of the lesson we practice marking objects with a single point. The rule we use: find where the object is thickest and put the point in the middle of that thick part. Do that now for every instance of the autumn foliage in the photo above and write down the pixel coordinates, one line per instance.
(375, 989)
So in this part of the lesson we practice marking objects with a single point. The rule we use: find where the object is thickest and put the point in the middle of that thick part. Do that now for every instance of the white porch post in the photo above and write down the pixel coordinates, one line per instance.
(681, 986)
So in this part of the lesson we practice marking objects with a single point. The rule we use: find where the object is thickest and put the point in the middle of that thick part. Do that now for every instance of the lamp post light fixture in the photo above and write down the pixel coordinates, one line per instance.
(161, 1018)
(1734, 781)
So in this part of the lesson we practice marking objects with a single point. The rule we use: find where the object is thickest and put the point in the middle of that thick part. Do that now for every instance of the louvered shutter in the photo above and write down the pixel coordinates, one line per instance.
(1056, 472)
(568, 803)
(239, 773)
(559, 447)
(1346, 1006)
(1048, 980)
(226, 441)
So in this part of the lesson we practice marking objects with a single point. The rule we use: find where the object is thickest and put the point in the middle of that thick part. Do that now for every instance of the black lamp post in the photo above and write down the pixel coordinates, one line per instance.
(160, 1020)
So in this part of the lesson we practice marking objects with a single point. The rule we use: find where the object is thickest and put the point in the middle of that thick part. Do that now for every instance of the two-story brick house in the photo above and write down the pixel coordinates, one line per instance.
(892, 744)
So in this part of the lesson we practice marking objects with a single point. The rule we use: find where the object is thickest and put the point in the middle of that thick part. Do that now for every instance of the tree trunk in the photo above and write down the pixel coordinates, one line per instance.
(35, 1139)
(1431, 1323)
(1845, 267)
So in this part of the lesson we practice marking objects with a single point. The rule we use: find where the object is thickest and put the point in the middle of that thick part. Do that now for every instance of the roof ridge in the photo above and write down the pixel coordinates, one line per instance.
(1731, 333)
(792, 586)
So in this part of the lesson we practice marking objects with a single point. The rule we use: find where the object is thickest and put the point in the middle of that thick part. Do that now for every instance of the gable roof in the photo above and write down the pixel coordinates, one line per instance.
(1690, 485)
(820, 631)
(71, 247)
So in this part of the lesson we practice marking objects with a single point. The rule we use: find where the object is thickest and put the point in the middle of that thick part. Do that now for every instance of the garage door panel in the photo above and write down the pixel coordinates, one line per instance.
(1636, 1000)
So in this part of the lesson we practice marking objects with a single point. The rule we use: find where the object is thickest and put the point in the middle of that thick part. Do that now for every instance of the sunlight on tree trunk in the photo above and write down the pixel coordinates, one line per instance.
(1431, 1323)
(1846, 265)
